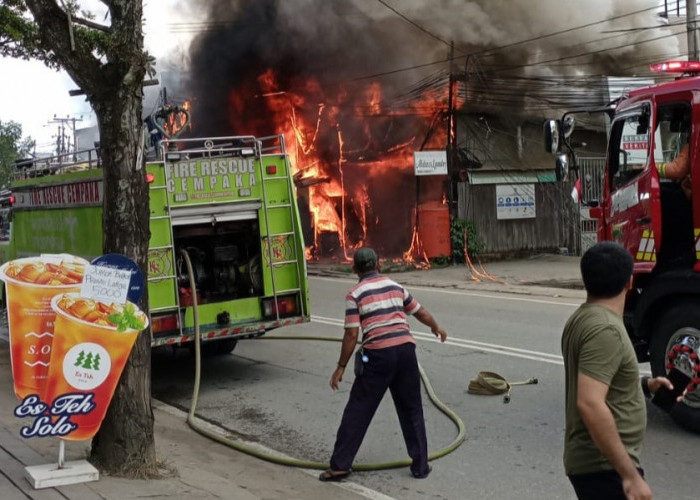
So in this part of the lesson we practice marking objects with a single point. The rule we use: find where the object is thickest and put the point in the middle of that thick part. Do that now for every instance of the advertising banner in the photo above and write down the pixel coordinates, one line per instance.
(30, 284)
(55, 230)
(92, 342)
(72, 328)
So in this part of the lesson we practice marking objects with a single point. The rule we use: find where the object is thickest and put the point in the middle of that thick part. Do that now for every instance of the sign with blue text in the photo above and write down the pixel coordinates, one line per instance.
(515, 201)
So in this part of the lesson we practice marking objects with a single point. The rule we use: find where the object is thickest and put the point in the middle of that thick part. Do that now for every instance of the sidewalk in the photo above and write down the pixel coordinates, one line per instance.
(206, 469)
(543, 274)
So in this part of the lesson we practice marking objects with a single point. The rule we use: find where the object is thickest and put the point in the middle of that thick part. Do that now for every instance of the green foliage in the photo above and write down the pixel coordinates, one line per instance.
(93, 53)
(12, 147)
(440, 261)
(127, 319)
(474, 244)
(20, 37)
(19, 34)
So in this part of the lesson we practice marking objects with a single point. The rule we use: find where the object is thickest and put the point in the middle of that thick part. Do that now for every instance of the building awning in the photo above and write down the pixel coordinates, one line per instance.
(511, 177)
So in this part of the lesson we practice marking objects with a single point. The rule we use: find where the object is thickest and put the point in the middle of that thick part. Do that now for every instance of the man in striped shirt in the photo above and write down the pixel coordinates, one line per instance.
(379, 307)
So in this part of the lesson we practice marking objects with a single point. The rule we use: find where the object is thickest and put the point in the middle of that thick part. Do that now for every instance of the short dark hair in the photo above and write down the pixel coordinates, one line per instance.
(606, 268)
(365, 260)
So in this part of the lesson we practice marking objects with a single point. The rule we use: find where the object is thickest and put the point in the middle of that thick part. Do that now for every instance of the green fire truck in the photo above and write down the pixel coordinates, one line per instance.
(225, 204)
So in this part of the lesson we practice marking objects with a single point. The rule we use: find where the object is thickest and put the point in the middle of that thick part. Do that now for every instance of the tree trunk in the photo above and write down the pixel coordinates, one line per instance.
(125, 442)
(109, 64)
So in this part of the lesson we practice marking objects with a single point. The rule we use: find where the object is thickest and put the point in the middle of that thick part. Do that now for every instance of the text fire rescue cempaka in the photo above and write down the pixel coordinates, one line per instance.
(210, 174)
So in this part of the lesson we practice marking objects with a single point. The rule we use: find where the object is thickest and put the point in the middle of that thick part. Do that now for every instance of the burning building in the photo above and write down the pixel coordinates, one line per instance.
(310, 72)
(357, 87)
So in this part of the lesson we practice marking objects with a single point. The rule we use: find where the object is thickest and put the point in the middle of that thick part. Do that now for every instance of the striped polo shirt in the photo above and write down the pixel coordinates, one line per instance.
(379, 307)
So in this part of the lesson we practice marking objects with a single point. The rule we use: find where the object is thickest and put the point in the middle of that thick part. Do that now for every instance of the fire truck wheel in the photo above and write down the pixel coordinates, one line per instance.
(686, 416)
(676, 343)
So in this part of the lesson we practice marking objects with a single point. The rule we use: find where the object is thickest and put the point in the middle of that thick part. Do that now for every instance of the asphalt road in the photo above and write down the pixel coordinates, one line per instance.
(276, 392)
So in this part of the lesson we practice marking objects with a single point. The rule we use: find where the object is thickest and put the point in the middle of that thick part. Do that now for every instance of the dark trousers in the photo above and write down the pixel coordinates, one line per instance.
(394, 368)
(604, 485)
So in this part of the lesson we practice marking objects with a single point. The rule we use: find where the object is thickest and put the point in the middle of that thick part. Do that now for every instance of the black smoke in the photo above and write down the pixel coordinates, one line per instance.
(330, 41)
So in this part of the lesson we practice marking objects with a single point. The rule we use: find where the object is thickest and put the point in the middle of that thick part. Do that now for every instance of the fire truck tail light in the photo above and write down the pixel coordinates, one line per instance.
(271, 169)
(12, 200)
(286, 306)
(164, 323)
(676, 67)
(150, 178)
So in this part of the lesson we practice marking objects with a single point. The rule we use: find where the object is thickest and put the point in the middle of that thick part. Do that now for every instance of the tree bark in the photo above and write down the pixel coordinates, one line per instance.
(125, 442)
(112, 83)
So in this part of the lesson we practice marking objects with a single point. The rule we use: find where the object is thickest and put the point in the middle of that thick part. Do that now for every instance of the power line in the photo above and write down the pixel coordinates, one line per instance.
(488, 51)
(204, 26)
(413, 23)
(400, 70)
(564, 58)
(646, 28)
(505, 96)
(568, 30)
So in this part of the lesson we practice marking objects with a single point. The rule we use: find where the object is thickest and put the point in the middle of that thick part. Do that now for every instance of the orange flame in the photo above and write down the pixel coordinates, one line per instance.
(335, 172)
(177, 120)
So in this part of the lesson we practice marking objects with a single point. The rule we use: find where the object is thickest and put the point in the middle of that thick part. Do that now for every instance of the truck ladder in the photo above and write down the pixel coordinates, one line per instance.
(288, 207)
(167, 219)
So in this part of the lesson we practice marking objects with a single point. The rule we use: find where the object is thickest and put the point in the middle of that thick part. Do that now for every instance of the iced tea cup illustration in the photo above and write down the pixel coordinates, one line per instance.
(30, 284)
(92, 342)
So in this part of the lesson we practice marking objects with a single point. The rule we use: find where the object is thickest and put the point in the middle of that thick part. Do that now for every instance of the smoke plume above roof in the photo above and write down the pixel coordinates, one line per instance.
(344, 41)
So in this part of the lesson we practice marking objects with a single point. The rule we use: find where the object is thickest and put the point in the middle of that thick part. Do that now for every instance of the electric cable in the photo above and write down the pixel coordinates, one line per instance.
(204, 26)
(585, 54)
(568, 30)
(194, 423)
(413, 23)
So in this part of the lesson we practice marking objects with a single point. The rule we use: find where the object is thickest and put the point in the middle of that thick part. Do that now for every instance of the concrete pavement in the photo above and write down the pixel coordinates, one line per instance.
(542, 274)
(196, 467)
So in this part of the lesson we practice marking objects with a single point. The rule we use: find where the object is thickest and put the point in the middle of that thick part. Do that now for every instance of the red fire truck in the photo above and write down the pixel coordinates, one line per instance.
(650, 203)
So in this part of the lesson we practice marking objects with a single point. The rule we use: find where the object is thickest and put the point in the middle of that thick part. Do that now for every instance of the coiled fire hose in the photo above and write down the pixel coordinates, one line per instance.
(490, 384)
(194, 422)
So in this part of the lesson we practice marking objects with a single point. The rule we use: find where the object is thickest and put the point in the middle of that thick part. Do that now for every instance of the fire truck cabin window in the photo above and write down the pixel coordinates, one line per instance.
(672, 132)
(629, 148)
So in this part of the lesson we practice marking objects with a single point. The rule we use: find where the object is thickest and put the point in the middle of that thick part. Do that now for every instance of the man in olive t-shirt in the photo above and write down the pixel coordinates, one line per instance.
(605, 407)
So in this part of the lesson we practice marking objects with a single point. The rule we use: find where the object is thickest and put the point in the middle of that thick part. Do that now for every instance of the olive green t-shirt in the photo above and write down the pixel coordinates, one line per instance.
(596, 344)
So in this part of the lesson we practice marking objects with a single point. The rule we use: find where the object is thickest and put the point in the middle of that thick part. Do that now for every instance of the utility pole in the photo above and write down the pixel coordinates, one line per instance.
(62, 147)
(59, 142)
(450, 147)
(691, 13)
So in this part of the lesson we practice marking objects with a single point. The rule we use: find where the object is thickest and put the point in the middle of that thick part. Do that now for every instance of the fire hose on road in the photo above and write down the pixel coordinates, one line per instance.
(194, 422)
(491, 384)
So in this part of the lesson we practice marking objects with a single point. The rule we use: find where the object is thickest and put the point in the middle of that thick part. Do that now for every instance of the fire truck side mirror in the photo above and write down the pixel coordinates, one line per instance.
(562, 168)
(643, 123)
(551, 136)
